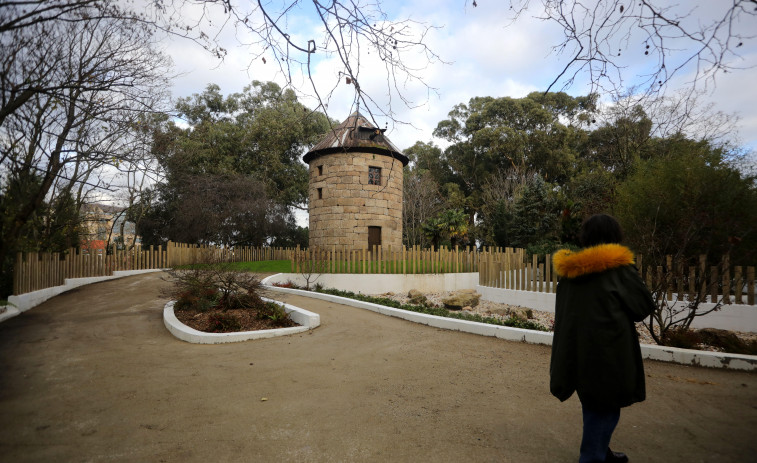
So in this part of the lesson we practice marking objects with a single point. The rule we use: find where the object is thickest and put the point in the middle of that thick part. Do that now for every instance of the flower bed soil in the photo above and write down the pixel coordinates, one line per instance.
(231, 320)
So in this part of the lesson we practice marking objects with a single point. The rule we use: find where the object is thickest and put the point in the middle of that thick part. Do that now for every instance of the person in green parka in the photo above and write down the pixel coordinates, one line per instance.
(595, 351)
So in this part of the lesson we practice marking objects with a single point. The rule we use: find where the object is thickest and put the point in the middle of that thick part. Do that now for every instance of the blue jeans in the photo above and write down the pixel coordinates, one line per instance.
(598, 428)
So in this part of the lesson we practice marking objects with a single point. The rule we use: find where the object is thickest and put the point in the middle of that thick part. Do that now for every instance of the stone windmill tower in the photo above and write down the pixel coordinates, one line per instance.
(355, 187)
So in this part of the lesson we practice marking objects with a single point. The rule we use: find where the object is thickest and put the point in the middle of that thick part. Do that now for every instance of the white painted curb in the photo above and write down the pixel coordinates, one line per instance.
(651, 352)
(9, 312)
(307, 320)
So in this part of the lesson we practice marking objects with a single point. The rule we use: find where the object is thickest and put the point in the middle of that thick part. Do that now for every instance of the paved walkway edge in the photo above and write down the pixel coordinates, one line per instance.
(308, 321)
(661, 353)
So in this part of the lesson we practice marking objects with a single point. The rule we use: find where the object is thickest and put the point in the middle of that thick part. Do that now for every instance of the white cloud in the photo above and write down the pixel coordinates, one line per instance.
(487, 57)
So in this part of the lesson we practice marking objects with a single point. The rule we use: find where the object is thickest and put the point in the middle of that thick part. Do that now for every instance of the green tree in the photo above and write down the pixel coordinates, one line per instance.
(521, 133)
(541, 133)
(226, 210)
(447, 227)
(621, 141)
(535, 215)
(54, 226)
(260, 132)
(427, 157)
(253, 138)
(689, 201)
(422, 200)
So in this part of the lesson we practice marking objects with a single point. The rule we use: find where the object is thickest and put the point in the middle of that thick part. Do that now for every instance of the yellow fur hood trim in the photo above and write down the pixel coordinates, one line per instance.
(591, 260)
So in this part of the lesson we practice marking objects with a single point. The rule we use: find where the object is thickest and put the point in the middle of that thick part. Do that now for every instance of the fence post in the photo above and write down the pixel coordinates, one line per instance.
(714, 284)
(702, 277)
(640, 265)
(669, 278)
(738, 284)
(17, 273)
(726, 279)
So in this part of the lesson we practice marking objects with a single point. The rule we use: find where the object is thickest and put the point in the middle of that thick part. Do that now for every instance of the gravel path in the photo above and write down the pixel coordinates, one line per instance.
(93, 375)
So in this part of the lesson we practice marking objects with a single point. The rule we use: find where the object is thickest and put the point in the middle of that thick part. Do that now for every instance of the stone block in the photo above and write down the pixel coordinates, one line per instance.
(460, 299)
(416, 297)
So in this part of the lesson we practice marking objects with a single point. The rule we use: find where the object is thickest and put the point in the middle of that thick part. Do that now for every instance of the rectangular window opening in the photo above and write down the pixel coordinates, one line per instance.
(320, 193)
(320, 170)
(374, 175)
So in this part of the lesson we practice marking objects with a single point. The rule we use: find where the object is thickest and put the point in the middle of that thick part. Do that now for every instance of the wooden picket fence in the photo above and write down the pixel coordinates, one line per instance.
(511, 269)
(186, 254)
(508, 268)
(385, 260)
(34, 271)
(39, 270)
(702, 281)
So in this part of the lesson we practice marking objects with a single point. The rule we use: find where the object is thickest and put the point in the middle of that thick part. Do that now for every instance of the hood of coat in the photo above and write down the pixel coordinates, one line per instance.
(591, 260)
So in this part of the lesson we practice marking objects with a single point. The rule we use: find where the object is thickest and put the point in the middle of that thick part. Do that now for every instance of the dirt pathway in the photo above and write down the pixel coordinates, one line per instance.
(93, 375)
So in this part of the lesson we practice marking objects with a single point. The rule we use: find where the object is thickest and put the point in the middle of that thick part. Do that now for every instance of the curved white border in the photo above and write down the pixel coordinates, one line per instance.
(307, 320)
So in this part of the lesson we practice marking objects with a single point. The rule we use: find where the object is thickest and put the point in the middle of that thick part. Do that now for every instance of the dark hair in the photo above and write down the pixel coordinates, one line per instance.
(600, 229)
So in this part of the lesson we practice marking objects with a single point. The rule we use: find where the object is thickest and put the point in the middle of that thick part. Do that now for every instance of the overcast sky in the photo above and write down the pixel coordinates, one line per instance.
(485, 56)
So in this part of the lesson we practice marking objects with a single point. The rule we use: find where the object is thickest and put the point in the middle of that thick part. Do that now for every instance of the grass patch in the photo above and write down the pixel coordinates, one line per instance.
(265, 266)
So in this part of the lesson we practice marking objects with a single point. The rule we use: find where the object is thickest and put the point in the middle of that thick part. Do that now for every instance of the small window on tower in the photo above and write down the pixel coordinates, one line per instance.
(320, 170)
(374, 175)
(320, 193)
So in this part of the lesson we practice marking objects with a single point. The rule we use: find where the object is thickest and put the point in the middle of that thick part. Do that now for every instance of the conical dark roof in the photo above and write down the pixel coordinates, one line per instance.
(356, 133)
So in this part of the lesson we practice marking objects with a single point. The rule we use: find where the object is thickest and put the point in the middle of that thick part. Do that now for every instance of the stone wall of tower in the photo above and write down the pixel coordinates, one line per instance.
(348, 204)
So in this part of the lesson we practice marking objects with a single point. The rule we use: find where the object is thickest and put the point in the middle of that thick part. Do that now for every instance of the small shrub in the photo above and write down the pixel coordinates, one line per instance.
(189, 300)
(287, 284)
(275, 313)
(214, 286)
(681, 337)
(726, 341)
(222, 323)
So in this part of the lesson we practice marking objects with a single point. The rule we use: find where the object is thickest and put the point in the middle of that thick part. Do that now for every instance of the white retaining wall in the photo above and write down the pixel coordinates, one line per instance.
(383, 283)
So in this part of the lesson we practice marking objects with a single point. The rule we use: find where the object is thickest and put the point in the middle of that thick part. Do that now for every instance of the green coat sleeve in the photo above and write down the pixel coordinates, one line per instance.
(635, 298)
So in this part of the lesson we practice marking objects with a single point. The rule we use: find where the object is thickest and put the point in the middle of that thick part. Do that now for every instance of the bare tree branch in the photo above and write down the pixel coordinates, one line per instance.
(678, 41)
